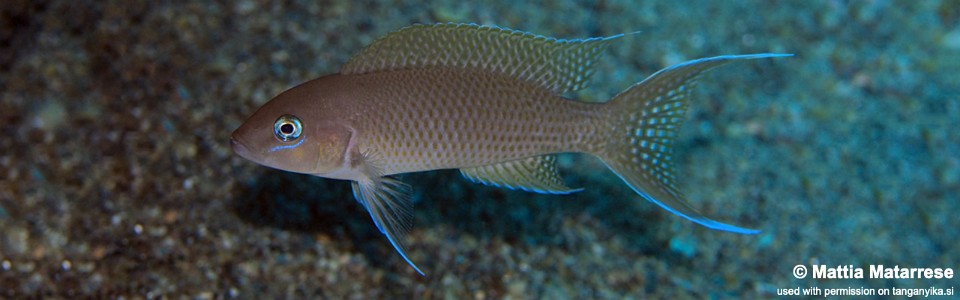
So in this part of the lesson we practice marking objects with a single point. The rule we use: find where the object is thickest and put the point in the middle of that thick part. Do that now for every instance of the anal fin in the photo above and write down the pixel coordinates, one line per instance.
(533, 174)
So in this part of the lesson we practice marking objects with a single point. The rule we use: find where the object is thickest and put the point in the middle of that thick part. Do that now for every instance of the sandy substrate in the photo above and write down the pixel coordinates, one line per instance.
(117, 179)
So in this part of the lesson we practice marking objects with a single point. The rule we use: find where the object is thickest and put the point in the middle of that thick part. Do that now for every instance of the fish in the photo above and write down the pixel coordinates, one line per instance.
(486, 100)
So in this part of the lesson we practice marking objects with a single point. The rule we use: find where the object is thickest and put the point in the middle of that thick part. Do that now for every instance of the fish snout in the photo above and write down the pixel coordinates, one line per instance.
(239, 148)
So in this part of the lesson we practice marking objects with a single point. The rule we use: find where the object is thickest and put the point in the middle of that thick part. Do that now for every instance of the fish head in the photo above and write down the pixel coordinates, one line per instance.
(297, 131)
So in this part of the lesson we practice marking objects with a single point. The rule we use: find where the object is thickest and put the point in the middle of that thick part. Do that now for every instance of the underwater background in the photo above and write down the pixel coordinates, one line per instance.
(117, 178)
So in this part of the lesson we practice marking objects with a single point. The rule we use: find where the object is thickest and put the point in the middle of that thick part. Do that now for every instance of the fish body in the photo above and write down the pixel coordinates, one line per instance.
(485, 100)
(443, 118)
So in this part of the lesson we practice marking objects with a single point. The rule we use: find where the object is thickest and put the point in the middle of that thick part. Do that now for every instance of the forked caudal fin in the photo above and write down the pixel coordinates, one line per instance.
(646, 121)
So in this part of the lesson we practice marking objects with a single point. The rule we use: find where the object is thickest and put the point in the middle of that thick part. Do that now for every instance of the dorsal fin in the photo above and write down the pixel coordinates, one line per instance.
(556, 64)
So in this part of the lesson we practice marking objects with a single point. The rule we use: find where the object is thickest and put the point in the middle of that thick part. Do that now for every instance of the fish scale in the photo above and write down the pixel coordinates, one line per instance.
(515, 120)
(482, 99)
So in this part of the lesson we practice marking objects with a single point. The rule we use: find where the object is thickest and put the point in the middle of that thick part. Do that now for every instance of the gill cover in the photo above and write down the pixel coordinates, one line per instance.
(287, 142)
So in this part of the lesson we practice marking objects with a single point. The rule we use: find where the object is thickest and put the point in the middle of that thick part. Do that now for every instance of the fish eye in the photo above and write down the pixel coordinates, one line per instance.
(287, 128)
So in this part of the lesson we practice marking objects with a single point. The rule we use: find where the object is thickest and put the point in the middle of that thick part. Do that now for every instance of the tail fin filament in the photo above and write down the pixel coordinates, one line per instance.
(648, 117)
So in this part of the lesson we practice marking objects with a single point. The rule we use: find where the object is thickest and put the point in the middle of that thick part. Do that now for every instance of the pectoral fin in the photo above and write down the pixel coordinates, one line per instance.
(534, 174)
(387, 200)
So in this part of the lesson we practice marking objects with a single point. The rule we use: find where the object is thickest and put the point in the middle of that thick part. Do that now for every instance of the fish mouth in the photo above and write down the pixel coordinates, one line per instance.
(239, 148)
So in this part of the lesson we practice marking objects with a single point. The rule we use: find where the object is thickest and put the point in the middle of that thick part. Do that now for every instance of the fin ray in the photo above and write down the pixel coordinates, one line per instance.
(648, 118)
(557, 64)
(387, 200)
(533, 174)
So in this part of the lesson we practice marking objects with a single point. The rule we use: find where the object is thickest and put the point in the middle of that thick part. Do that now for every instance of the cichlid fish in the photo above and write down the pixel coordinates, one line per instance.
(482, 99)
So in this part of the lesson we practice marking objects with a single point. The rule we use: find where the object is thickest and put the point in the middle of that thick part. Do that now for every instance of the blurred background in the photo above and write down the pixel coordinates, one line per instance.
(117, 179)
